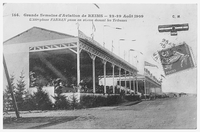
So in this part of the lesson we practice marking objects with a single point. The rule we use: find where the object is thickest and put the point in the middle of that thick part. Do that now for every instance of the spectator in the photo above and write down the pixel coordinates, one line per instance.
(58, 85)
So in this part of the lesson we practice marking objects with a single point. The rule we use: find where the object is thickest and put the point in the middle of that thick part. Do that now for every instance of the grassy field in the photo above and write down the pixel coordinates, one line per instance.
(168, 113)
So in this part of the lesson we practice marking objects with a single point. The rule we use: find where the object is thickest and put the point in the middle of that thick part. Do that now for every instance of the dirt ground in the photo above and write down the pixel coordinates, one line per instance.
(168, 113)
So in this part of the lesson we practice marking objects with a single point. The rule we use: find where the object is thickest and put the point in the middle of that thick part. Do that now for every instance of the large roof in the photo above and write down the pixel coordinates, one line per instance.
(36, 34)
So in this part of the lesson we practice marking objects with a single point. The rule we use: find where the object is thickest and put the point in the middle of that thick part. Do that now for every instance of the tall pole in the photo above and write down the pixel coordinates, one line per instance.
(10, 88)
(136, 67)
(78, 64)
(117, 28)
(119, 46)
(136, 78)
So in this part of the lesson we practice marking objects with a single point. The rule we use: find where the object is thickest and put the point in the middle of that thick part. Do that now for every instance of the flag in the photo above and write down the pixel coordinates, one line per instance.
(112, 46)
(149, 64)
(93, 27)
(162, 76)
(77, 24)
(93, 30)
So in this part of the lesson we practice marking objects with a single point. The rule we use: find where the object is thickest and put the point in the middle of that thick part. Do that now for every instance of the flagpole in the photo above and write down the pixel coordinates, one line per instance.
(112, 46)
(93, 30)
(129, 56)
(117, 28)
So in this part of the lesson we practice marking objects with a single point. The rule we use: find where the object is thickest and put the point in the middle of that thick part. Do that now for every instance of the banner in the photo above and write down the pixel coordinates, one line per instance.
(149, 64)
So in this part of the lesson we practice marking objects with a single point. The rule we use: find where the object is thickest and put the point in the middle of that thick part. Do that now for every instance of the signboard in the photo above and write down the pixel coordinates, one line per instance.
(175, 59)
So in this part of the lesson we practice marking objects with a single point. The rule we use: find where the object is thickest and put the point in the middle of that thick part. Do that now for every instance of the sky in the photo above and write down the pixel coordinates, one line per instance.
(143, 30)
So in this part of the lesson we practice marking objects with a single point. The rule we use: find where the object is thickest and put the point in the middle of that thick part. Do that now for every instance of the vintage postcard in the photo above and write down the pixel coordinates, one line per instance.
(99, 66)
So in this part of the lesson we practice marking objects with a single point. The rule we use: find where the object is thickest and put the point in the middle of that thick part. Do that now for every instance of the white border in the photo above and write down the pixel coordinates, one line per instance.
(102, 1)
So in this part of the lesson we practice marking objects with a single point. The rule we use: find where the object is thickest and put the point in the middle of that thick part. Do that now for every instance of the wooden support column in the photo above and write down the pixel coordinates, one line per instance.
(104, 71)
(113, 72)
(136, 81)
(130, 81)
(93, 57)
(134, 84)
(125, 83)
(120, 78)
(145, 89)
(93, 74)
(78, 65)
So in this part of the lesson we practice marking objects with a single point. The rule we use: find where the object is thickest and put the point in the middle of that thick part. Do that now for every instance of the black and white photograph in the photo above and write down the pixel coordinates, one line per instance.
(99, 66)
